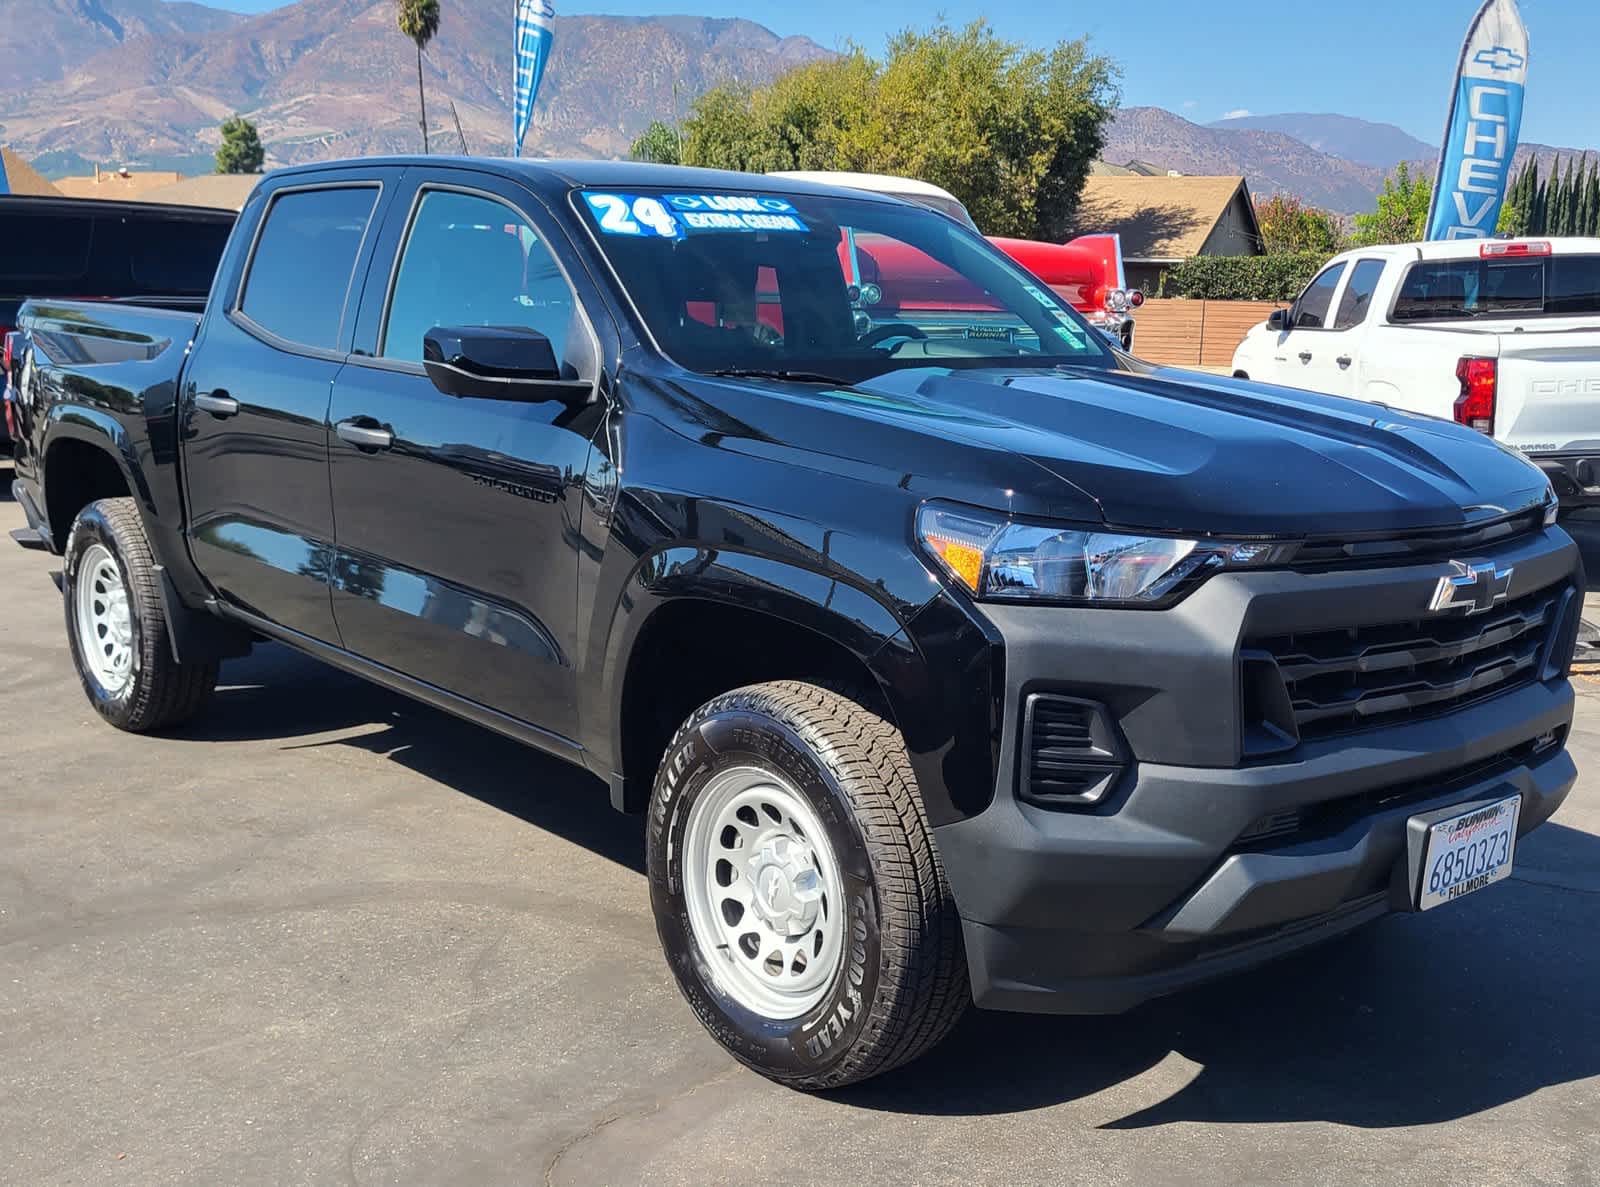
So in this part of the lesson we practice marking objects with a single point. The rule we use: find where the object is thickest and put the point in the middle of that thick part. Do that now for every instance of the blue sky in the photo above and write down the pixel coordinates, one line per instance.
(1385, 60)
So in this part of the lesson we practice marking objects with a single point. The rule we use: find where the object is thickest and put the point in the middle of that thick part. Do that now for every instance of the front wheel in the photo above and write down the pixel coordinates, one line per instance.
(117, 624)
(797, 890)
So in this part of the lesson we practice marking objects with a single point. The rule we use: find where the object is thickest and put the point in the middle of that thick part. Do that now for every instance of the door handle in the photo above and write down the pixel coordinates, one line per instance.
(1344, 361)
(363, 436)
(1305, 356)
(219, 403)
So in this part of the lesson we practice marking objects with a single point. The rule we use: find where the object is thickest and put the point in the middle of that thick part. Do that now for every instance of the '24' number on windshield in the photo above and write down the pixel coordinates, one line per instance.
(616, 217)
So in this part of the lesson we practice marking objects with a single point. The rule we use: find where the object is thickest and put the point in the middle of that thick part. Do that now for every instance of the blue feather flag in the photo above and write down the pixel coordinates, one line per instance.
(535, 31)
(1480, 136)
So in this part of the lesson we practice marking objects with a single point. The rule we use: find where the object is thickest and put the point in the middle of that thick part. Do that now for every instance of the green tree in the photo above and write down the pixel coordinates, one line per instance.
(1289, 225)
(1010, 131)
(419, 20)
(659, 144)
(241, 150)
(1402, 212)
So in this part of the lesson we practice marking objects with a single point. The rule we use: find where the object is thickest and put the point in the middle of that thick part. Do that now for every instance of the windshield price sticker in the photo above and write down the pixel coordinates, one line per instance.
(628, 214)
(735, 212)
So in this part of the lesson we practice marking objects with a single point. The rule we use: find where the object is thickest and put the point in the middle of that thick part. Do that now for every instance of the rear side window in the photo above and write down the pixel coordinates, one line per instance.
(303, 261)
(1311, 310)
(1451, 290)
(1357, 300)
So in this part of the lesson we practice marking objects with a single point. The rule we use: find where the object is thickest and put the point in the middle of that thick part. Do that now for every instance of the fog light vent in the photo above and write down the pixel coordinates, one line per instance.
(1071, 753)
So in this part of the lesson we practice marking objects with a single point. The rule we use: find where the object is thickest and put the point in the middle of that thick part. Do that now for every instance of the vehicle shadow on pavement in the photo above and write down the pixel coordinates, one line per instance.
(1413, 1021)
(278, 694)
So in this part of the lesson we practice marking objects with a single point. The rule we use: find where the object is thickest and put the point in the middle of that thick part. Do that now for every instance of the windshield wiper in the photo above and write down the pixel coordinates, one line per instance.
(778, 373)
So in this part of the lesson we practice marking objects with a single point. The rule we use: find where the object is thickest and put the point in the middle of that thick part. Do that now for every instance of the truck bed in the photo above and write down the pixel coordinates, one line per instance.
(73, 334)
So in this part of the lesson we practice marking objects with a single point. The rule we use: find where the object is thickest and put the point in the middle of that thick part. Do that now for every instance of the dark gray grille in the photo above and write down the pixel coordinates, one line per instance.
(1347, 679)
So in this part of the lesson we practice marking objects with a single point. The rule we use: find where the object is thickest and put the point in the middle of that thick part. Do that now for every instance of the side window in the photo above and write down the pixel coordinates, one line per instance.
(1357, 300)
(471, 261)
(1311, 310)
(304, 259)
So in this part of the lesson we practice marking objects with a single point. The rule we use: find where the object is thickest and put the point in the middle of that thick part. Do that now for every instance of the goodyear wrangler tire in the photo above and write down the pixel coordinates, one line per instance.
(117, 625)
(797, 889)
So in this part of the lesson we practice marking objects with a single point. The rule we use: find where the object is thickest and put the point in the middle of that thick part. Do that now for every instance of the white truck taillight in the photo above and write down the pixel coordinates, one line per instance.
(1480, 382)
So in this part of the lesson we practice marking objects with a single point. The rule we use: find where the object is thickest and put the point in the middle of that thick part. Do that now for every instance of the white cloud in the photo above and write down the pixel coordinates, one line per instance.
(1238, 113)
(1190, 104)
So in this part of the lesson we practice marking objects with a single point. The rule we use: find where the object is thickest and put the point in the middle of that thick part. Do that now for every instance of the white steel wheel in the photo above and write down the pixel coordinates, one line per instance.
(105, 622)
(763, 892)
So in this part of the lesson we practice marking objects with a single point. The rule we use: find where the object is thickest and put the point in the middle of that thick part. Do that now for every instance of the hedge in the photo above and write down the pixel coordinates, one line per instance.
(1243, 278)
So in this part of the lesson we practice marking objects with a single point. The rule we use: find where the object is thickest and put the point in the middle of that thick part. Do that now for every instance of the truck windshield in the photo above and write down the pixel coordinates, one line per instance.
(1541, 286)
(826, 288)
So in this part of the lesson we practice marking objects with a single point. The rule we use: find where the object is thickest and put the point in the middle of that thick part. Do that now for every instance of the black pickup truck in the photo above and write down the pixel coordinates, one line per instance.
(953, 654)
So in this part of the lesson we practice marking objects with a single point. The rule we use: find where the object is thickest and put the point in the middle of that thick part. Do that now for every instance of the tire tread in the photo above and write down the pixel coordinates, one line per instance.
(923, 990)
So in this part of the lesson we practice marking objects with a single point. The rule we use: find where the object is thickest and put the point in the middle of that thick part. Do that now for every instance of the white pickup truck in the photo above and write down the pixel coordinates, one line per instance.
(1501, 335)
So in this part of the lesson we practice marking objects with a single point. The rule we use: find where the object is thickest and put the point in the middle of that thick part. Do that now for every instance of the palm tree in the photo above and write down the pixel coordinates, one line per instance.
(419, 20)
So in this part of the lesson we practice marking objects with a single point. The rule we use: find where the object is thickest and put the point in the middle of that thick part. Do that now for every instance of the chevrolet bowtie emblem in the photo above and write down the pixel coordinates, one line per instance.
(1472, 587)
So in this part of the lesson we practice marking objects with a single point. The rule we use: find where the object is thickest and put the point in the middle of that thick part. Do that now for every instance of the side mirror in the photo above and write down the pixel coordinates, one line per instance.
(498, 363)
(1281, 320)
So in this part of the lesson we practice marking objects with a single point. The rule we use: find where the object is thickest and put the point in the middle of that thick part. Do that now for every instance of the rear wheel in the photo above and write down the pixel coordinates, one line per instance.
(797, 890)
(117, 624)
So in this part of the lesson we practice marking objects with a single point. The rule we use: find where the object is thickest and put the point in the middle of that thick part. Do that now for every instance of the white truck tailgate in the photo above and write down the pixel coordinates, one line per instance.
(1549, 390)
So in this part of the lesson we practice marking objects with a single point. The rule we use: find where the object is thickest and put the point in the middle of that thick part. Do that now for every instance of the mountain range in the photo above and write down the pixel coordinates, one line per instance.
(147, 82)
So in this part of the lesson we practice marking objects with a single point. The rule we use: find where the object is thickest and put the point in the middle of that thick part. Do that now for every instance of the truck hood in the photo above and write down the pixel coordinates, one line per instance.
(1163, 450)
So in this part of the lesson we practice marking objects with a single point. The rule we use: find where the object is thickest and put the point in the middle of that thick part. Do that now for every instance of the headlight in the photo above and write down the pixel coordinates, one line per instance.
(1013, 560)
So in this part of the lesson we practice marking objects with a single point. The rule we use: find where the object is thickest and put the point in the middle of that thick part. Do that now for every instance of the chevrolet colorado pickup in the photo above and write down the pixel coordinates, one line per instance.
(952, 654)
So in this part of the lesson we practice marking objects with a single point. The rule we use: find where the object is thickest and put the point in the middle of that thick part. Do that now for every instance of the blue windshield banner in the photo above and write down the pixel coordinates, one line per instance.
(536, 20)
(1480, 138)
(5, 186)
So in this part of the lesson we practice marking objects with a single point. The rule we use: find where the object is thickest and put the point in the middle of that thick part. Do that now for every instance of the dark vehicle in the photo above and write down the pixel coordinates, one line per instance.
(86, 249)
(952, 654)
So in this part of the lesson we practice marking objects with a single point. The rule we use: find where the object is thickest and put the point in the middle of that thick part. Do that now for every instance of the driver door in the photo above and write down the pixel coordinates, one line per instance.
(1304, 351)
(457, 518)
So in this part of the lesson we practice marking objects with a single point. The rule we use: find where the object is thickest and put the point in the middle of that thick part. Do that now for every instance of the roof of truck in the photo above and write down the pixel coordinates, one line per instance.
(556, 176)
(1470, 249)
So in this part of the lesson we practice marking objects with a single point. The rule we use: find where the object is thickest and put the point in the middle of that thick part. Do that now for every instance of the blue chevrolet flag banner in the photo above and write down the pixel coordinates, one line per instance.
(1480, 137)
(535, 30)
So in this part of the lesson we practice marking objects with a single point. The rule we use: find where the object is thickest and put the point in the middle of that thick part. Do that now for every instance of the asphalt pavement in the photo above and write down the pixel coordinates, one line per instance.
(326, 935)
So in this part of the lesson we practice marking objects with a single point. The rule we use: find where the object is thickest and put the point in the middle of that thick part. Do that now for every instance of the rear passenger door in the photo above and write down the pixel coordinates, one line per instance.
(256, 403)
(458, 517)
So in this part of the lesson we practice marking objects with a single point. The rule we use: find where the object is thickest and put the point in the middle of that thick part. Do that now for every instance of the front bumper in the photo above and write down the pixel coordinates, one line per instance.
(1167, 881)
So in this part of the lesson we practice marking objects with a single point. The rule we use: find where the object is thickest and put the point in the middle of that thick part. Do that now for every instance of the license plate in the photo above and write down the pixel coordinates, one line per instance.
(1468, 852)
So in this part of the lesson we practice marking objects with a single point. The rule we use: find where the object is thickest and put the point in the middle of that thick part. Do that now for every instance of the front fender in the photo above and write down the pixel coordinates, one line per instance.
(937, 668)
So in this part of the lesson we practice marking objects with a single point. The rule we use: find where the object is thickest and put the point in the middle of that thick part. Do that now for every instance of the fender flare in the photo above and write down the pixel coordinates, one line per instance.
(834, 609)
(939, 670)
(195, 636)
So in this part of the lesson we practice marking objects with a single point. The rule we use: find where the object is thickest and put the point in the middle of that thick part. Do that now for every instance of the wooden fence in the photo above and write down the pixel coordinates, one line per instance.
(1183, 333)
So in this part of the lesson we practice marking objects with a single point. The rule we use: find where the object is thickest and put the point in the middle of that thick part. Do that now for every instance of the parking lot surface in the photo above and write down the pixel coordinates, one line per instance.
(327, 935)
